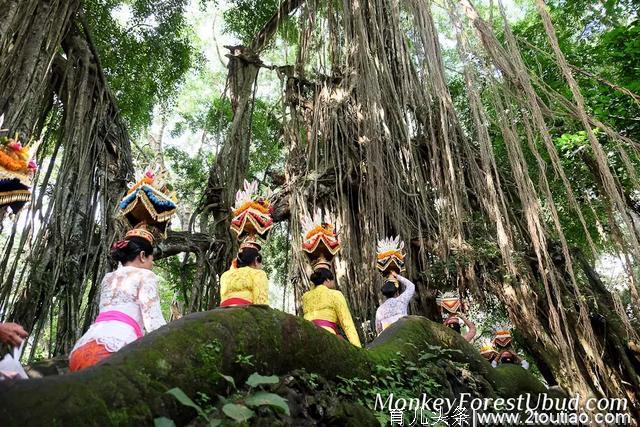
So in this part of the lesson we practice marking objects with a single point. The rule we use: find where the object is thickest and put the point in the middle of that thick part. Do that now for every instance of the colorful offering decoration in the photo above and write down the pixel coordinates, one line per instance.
(390, 256)
(502, 337)
(320, 240)
(251, 215)
(16, 171)
(149, 201)
(450, 302)
(487, 350)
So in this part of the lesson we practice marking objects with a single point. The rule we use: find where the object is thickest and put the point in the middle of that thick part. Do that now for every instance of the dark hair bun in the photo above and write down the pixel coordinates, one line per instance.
(124, 253)
(455, 326)
(321, 275)
(389, 289)
(248, 256)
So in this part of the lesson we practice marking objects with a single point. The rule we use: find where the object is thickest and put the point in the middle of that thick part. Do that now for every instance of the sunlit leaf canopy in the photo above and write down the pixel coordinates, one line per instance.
(146, 50)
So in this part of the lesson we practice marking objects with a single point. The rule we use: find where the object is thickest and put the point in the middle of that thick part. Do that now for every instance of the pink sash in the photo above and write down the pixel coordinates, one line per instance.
(325, 323)
(230, 302)
(119, 316)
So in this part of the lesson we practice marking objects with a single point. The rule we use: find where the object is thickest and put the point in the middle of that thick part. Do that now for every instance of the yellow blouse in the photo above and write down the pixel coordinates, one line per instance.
(246, 283)
(322, 303)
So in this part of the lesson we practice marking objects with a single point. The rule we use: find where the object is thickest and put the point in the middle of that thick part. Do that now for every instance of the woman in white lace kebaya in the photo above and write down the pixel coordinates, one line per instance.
(129, 302)
(396, 303)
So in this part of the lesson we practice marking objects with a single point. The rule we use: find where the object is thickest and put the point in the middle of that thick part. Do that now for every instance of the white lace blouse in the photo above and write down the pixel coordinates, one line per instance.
(134, 292)
(394, 308)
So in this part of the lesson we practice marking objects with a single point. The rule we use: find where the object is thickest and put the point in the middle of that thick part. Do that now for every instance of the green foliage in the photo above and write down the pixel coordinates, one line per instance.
(403, 378)
(238, 413)
(239, 407)
(163, 422)
(230, 380)
(262, 398)
(190, 173)
(599, 39)
(210, 352)
(245, 360)
(180, 277)
(256, 379)
(276, 254)
(245, 18)
(211, 116)
(166, 293)
(266, 141)
(602, 42)
(144, 58)
(215, 119)
(186, 401)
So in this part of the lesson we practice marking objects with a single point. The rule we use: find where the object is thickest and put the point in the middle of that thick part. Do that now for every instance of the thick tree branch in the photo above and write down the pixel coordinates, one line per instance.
(178, 242)
(264, 36)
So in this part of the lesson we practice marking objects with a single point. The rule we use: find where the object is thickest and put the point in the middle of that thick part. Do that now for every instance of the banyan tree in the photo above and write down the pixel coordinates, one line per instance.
(376, 136)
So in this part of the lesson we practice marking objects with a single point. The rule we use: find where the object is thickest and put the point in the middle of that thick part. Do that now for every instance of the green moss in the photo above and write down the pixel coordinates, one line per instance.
(352, 415)
(513, 380)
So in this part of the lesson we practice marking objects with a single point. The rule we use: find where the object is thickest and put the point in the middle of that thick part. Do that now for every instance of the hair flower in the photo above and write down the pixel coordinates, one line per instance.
(15, 146)
(120, 244)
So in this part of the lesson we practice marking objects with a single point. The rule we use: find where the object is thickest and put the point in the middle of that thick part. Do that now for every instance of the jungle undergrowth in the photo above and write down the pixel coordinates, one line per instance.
(402, 378)
(237, 408)
(262, 396)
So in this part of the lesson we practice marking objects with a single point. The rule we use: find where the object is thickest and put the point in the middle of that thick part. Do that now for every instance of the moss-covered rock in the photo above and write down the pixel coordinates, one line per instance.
(192, 353)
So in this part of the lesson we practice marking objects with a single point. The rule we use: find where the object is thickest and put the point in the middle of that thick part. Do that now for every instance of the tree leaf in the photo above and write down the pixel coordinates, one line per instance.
(238, 413)
(256, 379)
(263, 398)
(229, 380)
(215, 422)
(163, 422)
(185, 400)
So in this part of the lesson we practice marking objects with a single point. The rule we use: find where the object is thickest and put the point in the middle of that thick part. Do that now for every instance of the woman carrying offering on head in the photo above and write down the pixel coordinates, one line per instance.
(505, 353)
(129, 302)
(245, 282)
(390, 262)
(450, 308)
(324, 305)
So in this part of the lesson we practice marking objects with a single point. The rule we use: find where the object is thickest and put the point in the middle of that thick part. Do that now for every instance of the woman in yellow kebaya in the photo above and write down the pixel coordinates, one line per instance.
(326, 307)
(245, 282)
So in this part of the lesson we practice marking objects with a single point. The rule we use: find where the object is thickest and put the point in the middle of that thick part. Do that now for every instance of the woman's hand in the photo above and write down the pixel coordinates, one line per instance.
(12, 333)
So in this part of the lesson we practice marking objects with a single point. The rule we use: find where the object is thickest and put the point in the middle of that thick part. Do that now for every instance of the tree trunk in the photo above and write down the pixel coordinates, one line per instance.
(30, 35)
(383, 128)
(610, 341)
(232, 162)
(72, 250)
